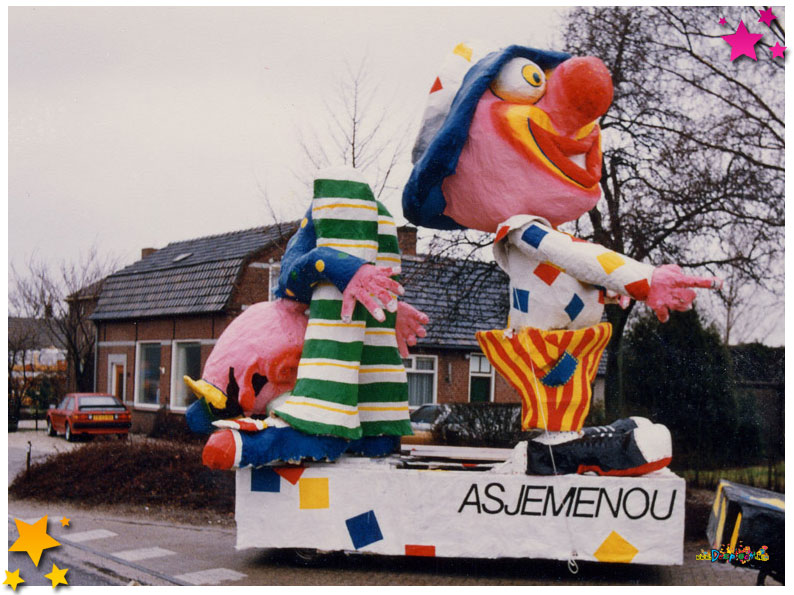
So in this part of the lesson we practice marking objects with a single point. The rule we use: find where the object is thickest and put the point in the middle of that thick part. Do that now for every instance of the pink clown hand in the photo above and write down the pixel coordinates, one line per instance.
(670, 290)
(409, 326)
(374, 288)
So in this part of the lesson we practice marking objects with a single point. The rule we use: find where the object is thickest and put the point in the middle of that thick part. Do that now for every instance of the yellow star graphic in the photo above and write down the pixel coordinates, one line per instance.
(57, 576)
(65, 522)
(13, 579)
(33, 539)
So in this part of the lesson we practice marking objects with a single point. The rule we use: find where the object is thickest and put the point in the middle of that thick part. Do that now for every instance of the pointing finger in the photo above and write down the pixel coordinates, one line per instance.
(662, 314)
(705, 282)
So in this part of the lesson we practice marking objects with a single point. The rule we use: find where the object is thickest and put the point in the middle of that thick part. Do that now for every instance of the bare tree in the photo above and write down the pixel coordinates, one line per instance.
(694, 146)
(22, 342)
(359, 131)
(743, 310)
(64, 298)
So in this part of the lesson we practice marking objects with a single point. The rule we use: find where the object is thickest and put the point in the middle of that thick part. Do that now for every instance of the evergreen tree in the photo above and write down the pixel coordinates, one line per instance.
(681, 375)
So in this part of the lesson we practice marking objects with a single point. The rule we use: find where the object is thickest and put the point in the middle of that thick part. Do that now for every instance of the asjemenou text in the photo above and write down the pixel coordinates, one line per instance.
(544, 500)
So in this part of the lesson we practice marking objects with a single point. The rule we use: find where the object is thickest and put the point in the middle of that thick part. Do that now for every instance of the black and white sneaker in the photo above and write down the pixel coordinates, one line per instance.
(641, 450)
(619, 426)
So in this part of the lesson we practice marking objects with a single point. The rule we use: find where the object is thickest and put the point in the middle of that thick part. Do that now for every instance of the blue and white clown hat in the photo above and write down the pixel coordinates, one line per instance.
(445, 126)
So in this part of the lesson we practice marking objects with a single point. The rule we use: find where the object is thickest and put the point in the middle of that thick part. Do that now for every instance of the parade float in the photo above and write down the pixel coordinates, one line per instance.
(307, 396)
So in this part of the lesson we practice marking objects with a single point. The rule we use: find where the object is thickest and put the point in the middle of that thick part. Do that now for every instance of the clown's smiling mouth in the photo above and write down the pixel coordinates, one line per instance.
(529, 130)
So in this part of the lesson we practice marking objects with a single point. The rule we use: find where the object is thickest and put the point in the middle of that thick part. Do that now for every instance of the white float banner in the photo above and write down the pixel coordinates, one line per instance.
(372, 506)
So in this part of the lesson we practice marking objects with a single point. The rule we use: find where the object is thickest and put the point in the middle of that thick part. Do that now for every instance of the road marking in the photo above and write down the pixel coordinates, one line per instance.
(32, 521)
(143, 554)
(211, 576)
(88, 535)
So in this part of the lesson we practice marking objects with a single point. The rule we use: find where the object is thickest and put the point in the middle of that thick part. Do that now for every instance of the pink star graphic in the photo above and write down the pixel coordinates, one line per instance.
(743, 42)
(723, 21)
(777, 51)
(767, 17)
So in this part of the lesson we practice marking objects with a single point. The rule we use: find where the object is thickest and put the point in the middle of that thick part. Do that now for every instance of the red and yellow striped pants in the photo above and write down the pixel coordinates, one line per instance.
(553, 371)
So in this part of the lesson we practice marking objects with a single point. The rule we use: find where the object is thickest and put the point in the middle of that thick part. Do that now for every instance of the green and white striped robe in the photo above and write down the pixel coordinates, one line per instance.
(351, 380)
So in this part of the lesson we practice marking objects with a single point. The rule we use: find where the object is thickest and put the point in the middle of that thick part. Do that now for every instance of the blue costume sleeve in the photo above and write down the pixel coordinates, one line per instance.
(304, 265)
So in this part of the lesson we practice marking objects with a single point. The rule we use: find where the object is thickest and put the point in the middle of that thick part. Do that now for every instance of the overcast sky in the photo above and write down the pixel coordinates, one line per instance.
(136, 127)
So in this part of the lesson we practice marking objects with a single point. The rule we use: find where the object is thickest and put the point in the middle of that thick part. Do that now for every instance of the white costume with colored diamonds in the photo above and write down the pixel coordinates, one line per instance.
(558, 281)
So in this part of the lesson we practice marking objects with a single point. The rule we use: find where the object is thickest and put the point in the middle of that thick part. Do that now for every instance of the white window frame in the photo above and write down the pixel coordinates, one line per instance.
(117, 359)
(481, 375)
(274, 271)
(174, 380)
(434, 372)
(137, 404)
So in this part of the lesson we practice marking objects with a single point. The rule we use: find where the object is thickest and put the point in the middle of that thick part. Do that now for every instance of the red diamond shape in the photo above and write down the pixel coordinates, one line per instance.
(291, 474)
(420, 550)
(547, 272)
(639, 289)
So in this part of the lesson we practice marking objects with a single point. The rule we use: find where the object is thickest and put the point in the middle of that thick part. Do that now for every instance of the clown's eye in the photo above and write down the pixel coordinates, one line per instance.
(520, 81)
(533, 75)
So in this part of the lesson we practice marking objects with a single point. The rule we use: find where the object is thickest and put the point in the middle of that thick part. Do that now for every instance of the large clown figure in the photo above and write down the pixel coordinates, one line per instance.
(286, 388)
(510, 145)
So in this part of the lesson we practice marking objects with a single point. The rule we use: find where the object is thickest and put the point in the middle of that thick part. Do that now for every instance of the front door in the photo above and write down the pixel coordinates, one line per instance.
(117, 375)
(118, 381)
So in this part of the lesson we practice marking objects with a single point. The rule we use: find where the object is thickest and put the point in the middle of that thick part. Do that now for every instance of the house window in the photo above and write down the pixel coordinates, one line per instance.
(421, 371)
(147, 378)
(186, 362)
(480, 379)
(275, 271)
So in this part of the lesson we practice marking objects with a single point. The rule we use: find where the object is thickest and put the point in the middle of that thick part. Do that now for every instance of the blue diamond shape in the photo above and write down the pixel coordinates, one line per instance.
(533, 235)
(520, 299)
(364, 529)
(264, 479)
(574, 307)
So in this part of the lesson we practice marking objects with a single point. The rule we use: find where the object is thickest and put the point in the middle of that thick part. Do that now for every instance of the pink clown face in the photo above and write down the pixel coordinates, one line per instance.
(533, 147)
(257, 355)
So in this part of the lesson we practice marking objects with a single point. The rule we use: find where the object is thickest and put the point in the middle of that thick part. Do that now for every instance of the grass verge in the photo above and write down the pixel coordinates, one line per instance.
(758, 476)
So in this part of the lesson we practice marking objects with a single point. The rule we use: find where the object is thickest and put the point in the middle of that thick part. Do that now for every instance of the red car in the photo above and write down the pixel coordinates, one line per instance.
(88, 414)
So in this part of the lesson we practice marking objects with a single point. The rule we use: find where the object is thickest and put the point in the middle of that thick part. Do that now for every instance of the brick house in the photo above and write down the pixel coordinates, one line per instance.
(159, 318)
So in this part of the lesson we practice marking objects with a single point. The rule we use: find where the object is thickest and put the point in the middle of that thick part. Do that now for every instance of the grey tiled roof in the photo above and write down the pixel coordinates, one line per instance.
(189, 277)
(32, 333)
(459, 297)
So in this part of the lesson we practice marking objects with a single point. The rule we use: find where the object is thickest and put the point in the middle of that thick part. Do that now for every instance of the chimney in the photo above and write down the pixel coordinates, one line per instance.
(147, 251)
(406, 236)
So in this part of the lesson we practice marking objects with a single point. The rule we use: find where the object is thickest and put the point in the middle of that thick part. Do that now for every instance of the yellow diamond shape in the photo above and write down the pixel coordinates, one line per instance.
(615, 549)
(313, 492)
(463, 50)
(610, 261)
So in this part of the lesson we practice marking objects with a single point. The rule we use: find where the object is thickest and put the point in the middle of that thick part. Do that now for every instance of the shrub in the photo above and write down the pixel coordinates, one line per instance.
(141, 473)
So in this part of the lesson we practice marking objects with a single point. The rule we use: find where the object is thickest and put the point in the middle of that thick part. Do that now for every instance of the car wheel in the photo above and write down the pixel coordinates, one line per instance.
(123, 436)
(308, 557)
(50, 430)
(69, 436)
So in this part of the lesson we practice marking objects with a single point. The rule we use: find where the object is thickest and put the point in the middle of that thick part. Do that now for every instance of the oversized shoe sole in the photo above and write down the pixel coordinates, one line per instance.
(654, 443)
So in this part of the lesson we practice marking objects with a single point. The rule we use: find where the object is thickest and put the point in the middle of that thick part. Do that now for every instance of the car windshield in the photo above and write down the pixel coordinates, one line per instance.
(425, 415)
(100, 402)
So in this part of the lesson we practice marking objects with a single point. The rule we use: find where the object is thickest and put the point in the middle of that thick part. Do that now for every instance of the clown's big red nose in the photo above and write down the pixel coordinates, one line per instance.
(578, 92)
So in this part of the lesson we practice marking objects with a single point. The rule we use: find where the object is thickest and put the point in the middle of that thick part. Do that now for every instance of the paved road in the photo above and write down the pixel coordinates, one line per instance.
(118, 546)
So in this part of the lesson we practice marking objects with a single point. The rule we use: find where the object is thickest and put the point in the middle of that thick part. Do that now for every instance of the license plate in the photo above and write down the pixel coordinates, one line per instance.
(103, 418)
